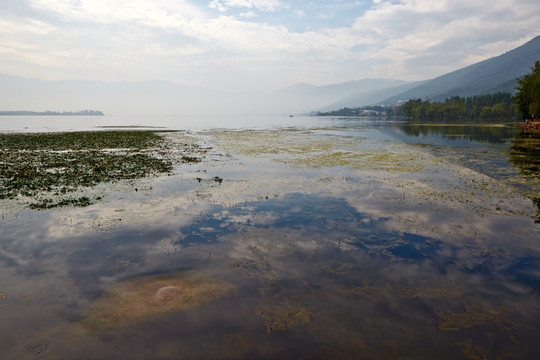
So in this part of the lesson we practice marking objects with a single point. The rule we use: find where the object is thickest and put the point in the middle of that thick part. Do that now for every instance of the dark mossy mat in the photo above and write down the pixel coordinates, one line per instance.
(87, 140)
(61, 163)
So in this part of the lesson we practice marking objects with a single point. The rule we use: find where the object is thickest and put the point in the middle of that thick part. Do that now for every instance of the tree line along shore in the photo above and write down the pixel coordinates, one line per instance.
(52, 113)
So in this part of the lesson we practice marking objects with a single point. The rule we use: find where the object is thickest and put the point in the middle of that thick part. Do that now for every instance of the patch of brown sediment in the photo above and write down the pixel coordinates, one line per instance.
(147, 297)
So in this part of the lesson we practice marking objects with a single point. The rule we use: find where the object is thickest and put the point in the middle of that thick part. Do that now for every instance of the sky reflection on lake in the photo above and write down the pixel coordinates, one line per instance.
(339, 246)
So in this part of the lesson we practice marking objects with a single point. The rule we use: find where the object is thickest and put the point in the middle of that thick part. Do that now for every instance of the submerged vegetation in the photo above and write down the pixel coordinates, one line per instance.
(47, 167)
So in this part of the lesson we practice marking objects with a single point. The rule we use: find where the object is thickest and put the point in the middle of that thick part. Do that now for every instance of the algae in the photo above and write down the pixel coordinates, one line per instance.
(48, 169)
(314, 149)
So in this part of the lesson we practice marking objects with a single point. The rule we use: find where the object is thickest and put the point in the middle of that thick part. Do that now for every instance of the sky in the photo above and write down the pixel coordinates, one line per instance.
(256, 45)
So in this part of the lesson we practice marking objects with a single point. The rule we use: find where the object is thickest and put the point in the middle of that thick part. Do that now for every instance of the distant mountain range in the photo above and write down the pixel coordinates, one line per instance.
(167, 98)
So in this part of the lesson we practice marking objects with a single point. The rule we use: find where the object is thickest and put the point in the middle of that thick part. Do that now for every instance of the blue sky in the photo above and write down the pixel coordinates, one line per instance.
(297, 16)
(250, 45)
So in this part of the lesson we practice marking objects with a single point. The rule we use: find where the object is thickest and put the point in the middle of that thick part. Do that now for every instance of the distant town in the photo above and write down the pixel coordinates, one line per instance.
(52, 113)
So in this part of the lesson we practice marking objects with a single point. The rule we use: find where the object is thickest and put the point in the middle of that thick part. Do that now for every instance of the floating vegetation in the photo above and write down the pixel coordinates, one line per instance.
(59, 164)
(393, 161)
(147, 297)
(305, 148)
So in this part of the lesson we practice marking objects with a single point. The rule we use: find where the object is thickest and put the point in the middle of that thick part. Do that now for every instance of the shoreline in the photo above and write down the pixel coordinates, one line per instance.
(530, 125)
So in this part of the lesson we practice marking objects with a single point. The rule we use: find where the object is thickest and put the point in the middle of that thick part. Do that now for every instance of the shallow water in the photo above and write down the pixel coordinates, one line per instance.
(344, 238)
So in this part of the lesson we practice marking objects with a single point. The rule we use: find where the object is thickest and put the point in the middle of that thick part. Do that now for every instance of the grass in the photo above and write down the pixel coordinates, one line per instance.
(59, 164)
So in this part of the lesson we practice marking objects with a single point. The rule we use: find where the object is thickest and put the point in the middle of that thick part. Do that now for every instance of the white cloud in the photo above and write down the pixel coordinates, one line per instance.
(248, 14)
(180, 41)
(448, 32)
(264, 5)
(157, 13)
(218, 5)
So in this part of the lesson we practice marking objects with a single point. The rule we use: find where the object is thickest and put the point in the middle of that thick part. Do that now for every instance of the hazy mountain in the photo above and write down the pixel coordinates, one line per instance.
(166, 98)
(144, 98)
(488, 76)
(369, 97)
(308, 97)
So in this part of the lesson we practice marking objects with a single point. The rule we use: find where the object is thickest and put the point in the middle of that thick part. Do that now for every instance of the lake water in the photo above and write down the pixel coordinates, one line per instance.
(342, 239)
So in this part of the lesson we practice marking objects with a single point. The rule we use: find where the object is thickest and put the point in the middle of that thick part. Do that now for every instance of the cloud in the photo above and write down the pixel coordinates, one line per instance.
(452, 33)
(157, 13)
(259, 43)
(263, 5)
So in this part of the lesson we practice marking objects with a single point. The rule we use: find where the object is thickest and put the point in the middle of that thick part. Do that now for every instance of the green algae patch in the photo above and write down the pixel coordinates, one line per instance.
(49, 168)
(145, 298)
(309, 149)
(392, 161)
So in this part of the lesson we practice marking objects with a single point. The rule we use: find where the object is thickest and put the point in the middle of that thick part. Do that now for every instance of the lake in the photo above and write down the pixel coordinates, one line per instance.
(293, 238)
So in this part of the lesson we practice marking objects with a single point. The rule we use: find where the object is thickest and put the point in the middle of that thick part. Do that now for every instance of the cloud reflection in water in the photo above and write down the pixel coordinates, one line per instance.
(363, 261)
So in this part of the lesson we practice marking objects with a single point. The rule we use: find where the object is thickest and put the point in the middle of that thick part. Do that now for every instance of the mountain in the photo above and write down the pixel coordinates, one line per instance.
(489, 76)
(167, 98)
(306, 96)
(369, 97)
(132, 98)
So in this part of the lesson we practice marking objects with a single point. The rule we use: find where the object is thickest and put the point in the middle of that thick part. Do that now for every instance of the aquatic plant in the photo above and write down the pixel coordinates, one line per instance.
(61, 163)
(308, 149)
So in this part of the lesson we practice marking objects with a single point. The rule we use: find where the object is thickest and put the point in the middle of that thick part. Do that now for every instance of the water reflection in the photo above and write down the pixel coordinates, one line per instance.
(338, 261)
(452, 134)
(525, 155)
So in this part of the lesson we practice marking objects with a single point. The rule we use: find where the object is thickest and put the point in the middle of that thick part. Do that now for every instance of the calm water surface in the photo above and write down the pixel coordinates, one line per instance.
(343, 239)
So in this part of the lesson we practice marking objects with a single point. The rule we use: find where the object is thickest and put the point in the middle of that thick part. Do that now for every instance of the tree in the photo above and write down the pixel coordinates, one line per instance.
(528, 93)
